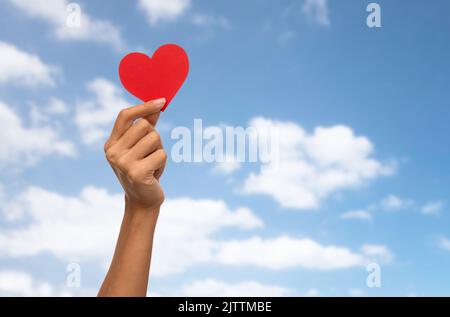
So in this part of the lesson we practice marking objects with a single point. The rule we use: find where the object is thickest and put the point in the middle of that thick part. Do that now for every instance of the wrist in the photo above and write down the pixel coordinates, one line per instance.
(137, 214)
(137, 208)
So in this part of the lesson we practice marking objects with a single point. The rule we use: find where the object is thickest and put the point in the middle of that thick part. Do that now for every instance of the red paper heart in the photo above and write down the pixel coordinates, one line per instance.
(159, 76)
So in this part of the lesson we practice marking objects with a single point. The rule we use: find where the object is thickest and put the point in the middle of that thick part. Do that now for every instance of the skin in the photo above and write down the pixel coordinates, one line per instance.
(135, 153)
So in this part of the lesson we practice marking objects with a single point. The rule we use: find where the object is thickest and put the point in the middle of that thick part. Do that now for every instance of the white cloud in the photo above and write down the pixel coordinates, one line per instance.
(16, 283)
(317, 11)
(37, 117)
(164, 10)
(158, 11)
(313, 166)
(2, 194)
(19, 283)
(395, 203)
(444, 243)
(208, 21)
(356, 292)
(71, 228)
(56, 106)
(57, 14)
(229, 165)
(377, 253)
(432, 208)
(285, 252)
(312, 292)
(28, 144)
(215, 288)
(85, 227)
(186, 228)
(357, 214)
(22, 68)
(95, 116)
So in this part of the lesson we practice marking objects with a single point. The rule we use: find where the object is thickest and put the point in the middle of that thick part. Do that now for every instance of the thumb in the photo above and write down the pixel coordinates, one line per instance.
(153, 117)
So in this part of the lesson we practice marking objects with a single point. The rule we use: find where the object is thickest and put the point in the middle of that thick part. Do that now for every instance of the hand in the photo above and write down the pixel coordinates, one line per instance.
(135, 152)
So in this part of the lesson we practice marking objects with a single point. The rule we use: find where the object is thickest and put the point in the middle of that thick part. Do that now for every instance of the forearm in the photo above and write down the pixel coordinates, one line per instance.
(129, 270)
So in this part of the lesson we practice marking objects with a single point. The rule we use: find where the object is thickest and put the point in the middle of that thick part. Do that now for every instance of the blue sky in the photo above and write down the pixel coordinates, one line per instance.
(377, 97)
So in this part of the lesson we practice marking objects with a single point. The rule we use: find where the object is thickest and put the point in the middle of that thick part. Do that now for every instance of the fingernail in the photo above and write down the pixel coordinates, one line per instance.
(159, 102)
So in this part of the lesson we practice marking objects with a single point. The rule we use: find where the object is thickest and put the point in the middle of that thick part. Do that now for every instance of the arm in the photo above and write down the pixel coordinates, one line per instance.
(134, 151)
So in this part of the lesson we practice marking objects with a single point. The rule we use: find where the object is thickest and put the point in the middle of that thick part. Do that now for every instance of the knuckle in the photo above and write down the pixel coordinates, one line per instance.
(164, 155)
(106, 147)
(156, 137)
(134, 174)
(161, 197)
(122, 163)
(123, 114)
(144, 124)
(111, 155)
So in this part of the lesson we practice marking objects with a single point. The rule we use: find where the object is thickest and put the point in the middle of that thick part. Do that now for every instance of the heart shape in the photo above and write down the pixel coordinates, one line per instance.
(161, 75)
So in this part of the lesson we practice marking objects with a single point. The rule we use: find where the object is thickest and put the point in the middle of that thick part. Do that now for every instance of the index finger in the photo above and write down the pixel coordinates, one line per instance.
(127, 116)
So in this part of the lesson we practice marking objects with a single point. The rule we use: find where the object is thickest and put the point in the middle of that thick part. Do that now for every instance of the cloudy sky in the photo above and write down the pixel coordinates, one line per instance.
(363, 116)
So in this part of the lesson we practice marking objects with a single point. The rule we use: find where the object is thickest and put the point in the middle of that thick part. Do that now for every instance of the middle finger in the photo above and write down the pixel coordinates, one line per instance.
(135, 133)
(147, 145)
